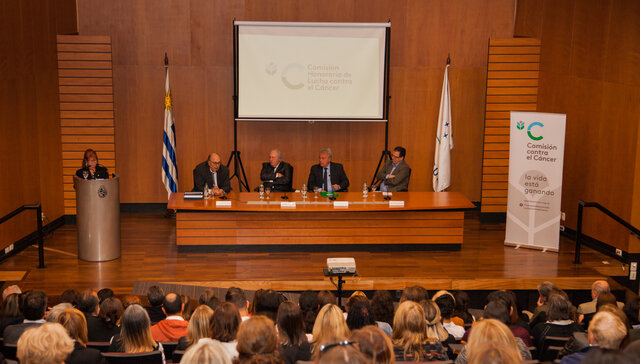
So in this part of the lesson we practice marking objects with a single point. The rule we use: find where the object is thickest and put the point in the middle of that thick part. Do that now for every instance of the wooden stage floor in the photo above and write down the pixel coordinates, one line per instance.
(149, 253)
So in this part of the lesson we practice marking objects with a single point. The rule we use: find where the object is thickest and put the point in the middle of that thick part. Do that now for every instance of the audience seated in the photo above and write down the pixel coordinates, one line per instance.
(135, 333)
(446, 304)
(461, 314)
(494, 353)
(309, 305)
(174, 326)
(560, 321)
(188, 307)
(76, 325)
(225, 323)
(155, 295)
(104, 293)
(257, 341)
(487, 331)
(342, 352)
(11, 313)
(604, 298)
(435, 330)
(130, 299)
(70, 296)
(500, 307)
(206, 351)
(267, 304)
(545, 289)
(409, 336)
(359, 314)
(415, 294)
(606, 356)
(374, 344)
(236, 296)
(382, 307)
(198, 328)
(108, 320)
(597, 288)
(208, 297)
(55, 311)
(606, 331)
(330, 327)
(293, 344)
(89, 305)
(44, 344)
(325, 298)
(34, 307)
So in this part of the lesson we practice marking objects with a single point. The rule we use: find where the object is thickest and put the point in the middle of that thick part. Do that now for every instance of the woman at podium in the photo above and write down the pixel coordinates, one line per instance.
(90, 167)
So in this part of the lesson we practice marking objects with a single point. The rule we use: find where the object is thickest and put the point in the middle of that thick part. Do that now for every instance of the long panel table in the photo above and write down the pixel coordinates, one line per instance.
(436, 219)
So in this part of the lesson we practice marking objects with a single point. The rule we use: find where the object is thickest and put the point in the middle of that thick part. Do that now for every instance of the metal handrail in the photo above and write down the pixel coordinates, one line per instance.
(38, 209)
(618, 219)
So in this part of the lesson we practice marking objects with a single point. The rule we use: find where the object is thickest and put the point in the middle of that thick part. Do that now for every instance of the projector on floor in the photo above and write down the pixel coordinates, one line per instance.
(341, 265)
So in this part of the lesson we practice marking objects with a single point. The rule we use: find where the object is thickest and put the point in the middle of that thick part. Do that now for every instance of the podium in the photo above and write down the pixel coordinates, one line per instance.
(98, 218)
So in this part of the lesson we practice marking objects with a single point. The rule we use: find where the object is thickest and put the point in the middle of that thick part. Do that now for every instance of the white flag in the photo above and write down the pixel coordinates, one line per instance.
(169, 165)
(444, 140)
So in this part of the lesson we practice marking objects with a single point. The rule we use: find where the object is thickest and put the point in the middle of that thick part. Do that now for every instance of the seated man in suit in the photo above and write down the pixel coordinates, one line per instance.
(597, 288)
(395, 174)
(327, 175)
(212, 173)
(34, 307)
(276, 173)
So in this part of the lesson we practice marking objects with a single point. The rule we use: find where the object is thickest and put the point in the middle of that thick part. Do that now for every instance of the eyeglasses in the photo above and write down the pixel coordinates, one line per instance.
(324, 348)
(395, 156)
(215, 163)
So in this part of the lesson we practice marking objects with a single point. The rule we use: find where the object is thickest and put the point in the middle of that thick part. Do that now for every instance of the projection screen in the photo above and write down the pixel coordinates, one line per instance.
(311, 71)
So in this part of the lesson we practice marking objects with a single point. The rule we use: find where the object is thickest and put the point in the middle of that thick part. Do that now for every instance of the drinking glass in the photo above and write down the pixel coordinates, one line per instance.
(267, 191)
(85, 174)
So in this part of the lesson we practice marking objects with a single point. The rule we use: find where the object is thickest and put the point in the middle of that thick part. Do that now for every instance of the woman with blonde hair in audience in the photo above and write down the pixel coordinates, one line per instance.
(198, 327)
(409, 337)
(258, 342)
(205, 351)
(374, 344)
(330, 327)
(225, 323)
(135, 333)
(76, 325)
(435, 330)
(495, 353)
(490, 331)
(10, 313)
(44, 344)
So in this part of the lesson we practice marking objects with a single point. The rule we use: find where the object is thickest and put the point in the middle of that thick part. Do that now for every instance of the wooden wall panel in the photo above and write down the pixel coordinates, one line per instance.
(512, 80)
(197, 36)
(86, 106)
(589, 70)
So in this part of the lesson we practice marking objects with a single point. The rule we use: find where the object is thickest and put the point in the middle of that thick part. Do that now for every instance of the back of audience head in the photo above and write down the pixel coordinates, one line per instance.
(34, 305)
(267, 304)
(236, 296)
(545, 289)
(325, 298)
(446, 304)
(409, 329)
(605, 298)
(155, 295)
(382, 306)
(187, 307)
(330, 326)
(206, 351)
(76, 325)
(200, 324)
(374, 344)
(88, 302)
(225, 322)
(608, 356)
(105, 293)
(598, 287)
(461, 308)
(497, 310)
(111, 310)
(494, 353)
(290, 324)
(631, 309)
(10, 290)
(256, 294)
(308, 302)
(135, 331)
(70, 296)
(606, 330)
(172, 304)
(55, 311)
(559, 308)
(48, 343)
(360, 315)
(491, 330)
(11, 306)
(129, 300)
(257, 341)
(340, 353)
(435, 331)
(208, 297)
(415, 294)
(440, 293)
(355, 296)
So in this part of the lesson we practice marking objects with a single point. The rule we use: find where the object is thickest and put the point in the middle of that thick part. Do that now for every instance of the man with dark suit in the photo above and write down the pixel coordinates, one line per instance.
(88, 304)
(395, 174)
(212, 173)
(276, 173)
(327, 175)
(35, 305)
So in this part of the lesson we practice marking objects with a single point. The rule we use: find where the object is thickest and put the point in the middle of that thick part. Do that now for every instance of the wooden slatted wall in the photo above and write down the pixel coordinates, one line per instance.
(512, 85)
(85, 81)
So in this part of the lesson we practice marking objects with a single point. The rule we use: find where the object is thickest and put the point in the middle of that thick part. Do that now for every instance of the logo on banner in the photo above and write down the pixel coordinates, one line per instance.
(535, 123)
(520, 125)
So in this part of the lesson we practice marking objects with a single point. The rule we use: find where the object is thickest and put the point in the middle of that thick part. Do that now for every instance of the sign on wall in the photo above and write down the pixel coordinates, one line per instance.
(536, 155)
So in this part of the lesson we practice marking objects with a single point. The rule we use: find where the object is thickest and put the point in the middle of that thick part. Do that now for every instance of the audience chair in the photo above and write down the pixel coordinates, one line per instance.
(169, 348)
(9, 351)
(177, 356)
(153, 357)
(102, 346)
(551, 346)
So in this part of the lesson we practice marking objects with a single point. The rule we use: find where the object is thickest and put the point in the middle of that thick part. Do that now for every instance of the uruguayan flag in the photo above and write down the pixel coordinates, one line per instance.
(444, 140)
(169, 165)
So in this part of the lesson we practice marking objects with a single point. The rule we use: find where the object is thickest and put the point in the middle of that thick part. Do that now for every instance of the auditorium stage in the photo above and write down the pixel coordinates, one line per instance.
(150, 253)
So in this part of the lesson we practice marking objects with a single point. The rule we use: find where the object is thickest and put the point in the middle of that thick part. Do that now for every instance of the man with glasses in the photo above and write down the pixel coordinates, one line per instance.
(394, 176)
(327, 175)
(212, 173)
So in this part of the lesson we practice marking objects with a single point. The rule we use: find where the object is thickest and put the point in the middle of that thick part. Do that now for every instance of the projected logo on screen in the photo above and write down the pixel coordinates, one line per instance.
(271, 68)
(292, 76)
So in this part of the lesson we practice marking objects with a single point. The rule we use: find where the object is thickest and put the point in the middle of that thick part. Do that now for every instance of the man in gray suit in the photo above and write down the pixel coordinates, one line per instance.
(597, 288)
(394, 176)
(35, 305)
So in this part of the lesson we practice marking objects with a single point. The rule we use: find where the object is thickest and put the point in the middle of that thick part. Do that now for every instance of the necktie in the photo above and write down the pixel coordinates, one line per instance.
(215, 179)
(324, 180)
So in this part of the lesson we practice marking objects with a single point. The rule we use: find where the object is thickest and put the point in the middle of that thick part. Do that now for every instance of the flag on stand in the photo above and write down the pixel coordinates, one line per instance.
(444, 140)
(169, 165)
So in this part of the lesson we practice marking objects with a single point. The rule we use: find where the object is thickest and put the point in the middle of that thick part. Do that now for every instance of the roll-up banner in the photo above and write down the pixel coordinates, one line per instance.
(536, 154)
